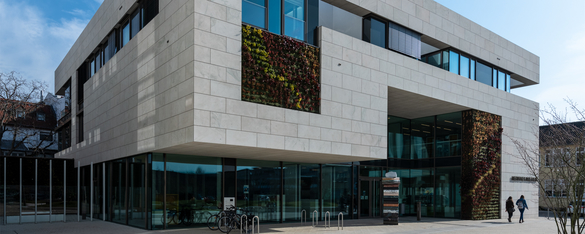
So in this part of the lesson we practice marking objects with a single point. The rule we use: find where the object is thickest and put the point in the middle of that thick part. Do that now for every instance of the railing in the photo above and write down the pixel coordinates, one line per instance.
(242, 223)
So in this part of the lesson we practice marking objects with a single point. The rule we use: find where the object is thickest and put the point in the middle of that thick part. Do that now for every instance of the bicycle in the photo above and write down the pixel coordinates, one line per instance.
(231, 220)
(171, 217)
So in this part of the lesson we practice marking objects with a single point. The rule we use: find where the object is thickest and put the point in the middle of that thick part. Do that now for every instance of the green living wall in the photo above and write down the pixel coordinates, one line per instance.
(481, 165)
(279, 71)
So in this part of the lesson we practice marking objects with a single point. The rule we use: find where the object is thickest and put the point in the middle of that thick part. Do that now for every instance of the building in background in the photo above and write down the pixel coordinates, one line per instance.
(292, 105)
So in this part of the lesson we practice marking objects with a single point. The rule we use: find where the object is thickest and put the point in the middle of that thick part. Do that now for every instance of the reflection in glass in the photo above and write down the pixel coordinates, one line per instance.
(294, 19)
(125, 34)
(507, 83)
(472, 70)
(259, 188)
(377, 32)
(157, 180)
(71, 190)
(13, 187)
(495, 78)
(445, 60)
(119, 191)
(351, 24)
(453, 62)
(398, 137)
(57, 191)
(336, 190)
(501, 81)
(253, 12)
(464, 71)
(193, 188)
(448, 135)
(135, 24)
(2, 195)
(448, 195)
(301, 190)
(43, 190)
(274, 16)
(435, 59)
(421, 182)
(422, 137)
(483, 73)
(28, 187)
(136, 195)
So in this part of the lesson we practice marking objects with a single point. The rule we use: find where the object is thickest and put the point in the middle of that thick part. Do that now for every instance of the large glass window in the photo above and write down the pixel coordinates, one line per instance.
(329, 16)
(125, 34)
(274, 20)
(157, 180)
(507, 83)
(43, 189)
(193, 187)
(71, 190)
(422, 137)
(434, 59)
(28, 187)
(301, 190)
(448, 192)
(2, 186)
(119, 191)
(294, 18)
(501, 81)
(472, 69)
(135, 24)
(254, 12)
(259, 188)
(375, 32)
(448, 135)
(13, 186)
(398, 138)
(136, 191)
(336, 190)
(404, 40)
(464, 67)
(57, 197)
(453, 62)
(483, 73)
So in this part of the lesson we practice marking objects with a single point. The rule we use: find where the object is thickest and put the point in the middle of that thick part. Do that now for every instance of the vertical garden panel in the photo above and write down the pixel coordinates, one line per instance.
(481, 165)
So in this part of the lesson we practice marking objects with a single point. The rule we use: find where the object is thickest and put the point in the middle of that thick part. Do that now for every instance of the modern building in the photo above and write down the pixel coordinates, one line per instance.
(286, 106)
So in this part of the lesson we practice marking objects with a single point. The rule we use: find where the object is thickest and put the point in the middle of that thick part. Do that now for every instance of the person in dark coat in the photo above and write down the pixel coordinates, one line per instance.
(510, 208)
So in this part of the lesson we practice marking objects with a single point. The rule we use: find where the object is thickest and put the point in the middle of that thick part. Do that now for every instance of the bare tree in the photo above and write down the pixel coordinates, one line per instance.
(558, 165)
(20, 107)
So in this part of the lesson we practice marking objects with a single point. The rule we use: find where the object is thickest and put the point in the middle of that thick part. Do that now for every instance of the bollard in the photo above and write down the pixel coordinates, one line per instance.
(418, 213)
(340, 215)
(305, 215)
(327, 214)
(315, 219)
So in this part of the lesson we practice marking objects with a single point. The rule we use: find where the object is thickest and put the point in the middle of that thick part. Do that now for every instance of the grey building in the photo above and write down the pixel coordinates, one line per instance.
(292, 105)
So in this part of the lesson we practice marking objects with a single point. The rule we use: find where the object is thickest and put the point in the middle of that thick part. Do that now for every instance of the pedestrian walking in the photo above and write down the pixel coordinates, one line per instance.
(510, 208)
(521, 203)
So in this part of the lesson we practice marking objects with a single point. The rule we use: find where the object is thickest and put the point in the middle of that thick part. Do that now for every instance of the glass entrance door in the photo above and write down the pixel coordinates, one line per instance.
(369, 197)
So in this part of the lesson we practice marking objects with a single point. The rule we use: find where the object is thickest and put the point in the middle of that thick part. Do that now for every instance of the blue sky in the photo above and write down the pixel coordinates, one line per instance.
(36, 35)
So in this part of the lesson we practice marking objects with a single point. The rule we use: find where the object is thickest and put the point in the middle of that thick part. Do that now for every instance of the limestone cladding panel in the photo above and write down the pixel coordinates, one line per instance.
(436, 21)
(519, 115)
(142, 98)
(218, 86)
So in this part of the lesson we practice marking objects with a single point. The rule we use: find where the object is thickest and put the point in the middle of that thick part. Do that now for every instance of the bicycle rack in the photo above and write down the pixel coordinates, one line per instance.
(327, 214)
(242, 223)
(305, 213)
(258, 219)
(314, 218)
(340, 215)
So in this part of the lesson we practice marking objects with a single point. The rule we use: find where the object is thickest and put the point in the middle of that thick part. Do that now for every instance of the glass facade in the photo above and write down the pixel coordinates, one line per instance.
(469, 67)
(32, 190)
(426, 154)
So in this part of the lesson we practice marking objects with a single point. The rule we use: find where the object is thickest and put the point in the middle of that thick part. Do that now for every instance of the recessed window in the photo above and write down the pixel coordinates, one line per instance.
(269, 14)
(375, 32)
(254, 12)
(45, 136)
(41, 116)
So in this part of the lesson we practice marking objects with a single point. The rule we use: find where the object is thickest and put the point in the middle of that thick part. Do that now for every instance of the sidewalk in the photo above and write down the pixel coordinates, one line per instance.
(407, 225)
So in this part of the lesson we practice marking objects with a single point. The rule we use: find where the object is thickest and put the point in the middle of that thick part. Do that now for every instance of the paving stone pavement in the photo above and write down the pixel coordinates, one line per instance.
(362, 226)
